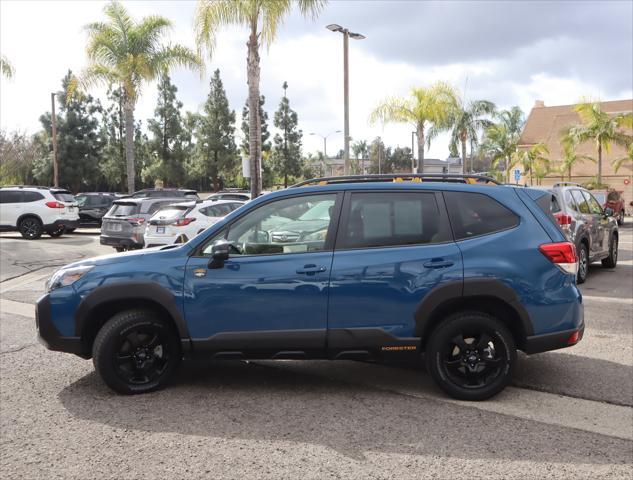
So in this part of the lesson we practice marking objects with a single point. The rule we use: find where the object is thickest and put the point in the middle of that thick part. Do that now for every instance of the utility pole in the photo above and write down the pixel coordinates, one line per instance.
(356, 36)
(55, 157)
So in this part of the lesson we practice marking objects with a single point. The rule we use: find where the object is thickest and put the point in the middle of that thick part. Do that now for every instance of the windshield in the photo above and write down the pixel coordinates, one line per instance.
(320, 211)
(124, 209)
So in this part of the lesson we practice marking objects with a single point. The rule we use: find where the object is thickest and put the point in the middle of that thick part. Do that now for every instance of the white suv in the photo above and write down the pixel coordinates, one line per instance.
(34, 210)
(180, 222)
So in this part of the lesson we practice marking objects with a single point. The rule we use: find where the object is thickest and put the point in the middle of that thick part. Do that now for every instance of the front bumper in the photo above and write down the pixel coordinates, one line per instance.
(49, 336)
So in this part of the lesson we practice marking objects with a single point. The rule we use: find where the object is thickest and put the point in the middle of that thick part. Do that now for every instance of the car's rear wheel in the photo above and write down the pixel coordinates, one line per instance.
(583, 263)
(70, 230)
(136, 351)
(58, 232)
(471, 356)
(612, 260)
(30, 228)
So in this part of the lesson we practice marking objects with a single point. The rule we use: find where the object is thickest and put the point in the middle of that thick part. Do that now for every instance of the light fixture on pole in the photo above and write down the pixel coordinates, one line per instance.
(324, 137)
(346, 35)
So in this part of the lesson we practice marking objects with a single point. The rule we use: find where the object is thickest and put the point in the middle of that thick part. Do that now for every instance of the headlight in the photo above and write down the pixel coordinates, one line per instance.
(67, 276)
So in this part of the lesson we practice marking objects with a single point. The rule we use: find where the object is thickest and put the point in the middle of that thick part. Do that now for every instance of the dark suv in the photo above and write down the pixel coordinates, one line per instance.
(466, 274)
(592, 229)
(93, 206)
(165, 193)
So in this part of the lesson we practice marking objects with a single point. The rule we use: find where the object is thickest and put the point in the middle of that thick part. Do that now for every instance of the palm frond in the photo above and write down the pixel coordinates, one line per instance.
(393, 110)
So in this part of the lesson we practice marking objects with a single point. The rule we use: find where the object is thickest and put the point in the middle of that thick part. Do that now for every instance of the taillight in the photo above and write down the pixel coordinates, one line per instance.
(184, 221)
(55, 205)
(562, 254)
(562, 219)
(136, 221)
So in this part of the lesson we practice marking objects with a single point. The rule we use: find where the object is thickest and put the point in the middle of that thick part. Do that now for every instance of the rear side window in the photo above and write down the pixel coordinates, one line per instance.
(475, 214)
(384, 219)
(10, 196)
(63, 196)
(569, 201)
(32, 196)
(594, 206)
(124, 209)
(583, 206)
(217, 210)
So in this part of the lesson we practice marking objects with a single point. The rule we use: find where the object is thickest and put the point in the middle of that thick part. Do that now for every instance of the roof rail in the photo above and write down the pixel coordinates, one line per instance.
(567, 184)
(401, 177)
(33, 186)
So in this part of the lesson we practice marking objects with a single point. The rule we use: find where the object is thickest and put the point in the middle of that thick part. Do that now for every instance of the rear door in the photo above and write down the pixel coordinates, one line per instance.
(392, 248)
(600, 242)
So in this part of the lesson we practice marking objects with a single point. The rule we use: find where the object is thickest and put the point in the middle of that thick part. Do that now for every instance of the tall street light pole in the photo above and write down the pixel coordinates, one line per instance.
(346, 35)
(54, 128)
(324, 137)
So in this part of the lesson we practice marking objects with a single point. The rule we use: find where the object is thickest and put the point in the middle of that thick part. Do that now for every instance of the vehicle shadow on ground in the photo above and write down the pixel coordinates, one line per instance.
(247, 400)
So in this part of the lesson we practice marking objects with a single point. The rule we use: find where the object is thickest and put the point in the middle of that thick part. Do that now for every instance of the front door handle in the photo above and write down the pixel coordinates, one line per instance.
(438, 264)
(310, 269)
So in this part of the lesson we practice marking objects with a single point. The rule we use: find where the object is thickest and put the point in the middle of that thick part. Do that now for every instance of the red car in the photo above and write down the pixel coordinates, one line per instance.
(611, 199)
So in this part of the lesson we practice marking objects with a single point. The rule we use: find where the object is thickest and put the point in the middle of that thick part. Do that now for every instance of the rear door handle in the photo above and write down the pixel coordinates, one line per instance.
(310, 270)
(438, 264)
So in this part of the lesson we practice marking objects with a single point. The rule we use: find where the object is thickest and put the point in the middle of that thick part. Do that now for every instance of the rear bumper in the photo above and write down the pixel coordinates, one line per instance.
(120, 242)
(553, 341)
(62, 223)
(49, 336)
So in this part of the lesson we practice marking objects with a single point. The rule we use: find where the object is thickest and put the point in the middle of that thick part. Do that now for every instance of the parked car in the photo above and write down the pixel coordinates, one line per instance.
(592, 229)
(165, 193)
(611, 199)
(180, 222)
(93, 206)
(124, 224)
(239, 195)
(34, 210)
(465, 273)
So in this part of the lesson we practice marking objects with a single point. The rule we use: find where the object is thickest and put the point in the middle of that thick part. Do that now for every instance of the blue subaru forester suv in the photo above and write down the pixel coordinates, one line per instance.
(374, 267)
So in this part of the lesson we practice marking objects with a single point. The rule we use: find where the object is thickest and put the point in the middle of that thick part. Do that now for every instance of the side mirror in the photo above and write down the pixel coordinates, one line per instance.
(219, 254)
(608, 212)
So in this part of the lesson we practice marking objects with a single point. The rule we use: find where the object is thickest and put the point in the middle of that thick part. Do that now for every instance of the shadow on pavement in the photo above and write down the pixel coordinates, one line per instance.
(240, 400)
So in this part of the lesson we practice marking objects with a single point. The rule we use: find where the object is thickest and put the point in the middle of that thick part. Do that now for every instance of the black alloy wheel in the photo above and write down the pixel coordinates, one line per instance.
(30, 228)
(583, 264)
(612, 260)
(136, 352)
(471, 356)
(58, 232)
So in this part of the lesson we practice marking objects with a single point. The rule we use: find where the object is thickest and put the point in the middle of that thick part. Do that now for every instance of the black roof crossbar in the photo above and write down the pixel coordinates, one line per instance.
(401, 177)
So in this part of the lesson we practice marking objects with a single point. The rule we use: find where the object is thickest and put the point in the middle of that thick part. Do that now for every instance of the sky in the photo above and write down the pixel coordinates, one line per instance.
(508, 52)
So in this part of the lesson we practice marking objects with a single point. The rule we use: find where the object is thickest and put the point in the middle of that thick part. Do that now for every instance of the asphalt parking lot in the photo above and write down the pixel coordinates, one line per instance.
(568, 415)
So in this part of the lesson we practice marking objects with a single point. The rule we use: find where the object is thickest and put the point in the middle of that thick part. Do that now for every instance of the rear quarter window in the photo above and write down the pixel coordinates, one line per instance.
(476, 214)
(32, 197)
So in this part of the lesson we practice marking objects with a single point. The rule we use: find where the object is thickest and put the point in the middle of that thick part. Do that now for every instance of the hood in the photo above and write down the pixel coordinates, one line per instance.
(124, 257)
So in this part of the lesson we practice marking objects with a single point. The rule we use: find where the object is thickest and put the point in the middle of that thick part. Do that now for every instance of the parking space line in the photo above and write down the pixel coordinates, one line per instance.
(592, 298)
(17, 308)
(22, 280)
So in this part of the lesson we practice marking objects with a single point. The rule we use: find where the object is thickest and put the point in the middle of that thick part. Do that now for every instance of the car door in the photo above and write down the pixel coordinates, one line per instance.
(392, 248)
(600, 223)
(270, 294)
(587, 226)
(11, 207)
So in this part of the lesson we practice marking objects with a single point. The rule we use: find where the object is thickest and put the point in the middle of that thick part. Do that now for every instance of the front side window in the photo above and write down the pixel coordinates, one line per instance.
(583, 206)
(594, 206)
(384, 219)
(278, 227)
(475, 214)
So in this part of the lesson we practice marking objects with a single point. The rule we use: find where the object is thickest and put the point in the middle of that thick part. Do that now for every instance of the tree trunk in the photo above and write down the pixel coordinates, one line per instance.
(285, 180)
(462, 138)
(420, 148)
(254, 133)
(129, 146)
(599, 164)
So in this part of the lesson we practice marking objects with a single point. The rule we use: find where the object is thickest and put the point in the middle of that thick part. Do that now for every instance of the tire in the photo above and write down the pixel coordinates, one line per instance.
(120, 249)
(583, 264)
(70, 230)
(56, 233)
(147, 349)
(30, 228)
(612, 260)
(492, 366)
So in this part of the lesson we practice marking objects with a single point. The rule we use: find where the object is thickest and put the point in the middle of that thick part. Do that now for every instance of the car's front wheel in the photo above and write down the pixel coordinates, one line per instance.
(471, 356)
(136, 351)
(30, 228)
(583, 264)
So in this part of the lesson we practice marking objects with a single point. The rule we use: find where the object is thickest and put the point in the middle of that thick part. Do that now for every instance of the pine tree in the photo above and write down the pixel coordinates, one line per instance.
(78, 141)
(166, 144)
(215, 145)
(287, 149)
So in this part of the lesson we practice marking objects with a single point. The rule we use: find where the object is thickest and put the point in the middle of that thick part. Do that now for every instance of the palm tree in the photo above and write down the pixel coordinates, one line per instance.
(6, 68)
(128, 53)
(570, 156)
(360, 149)
(618, 162)
(263, 18)
(533, 160)
(602, 128)
(467, 123)
(427, 106)
(501, 139)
